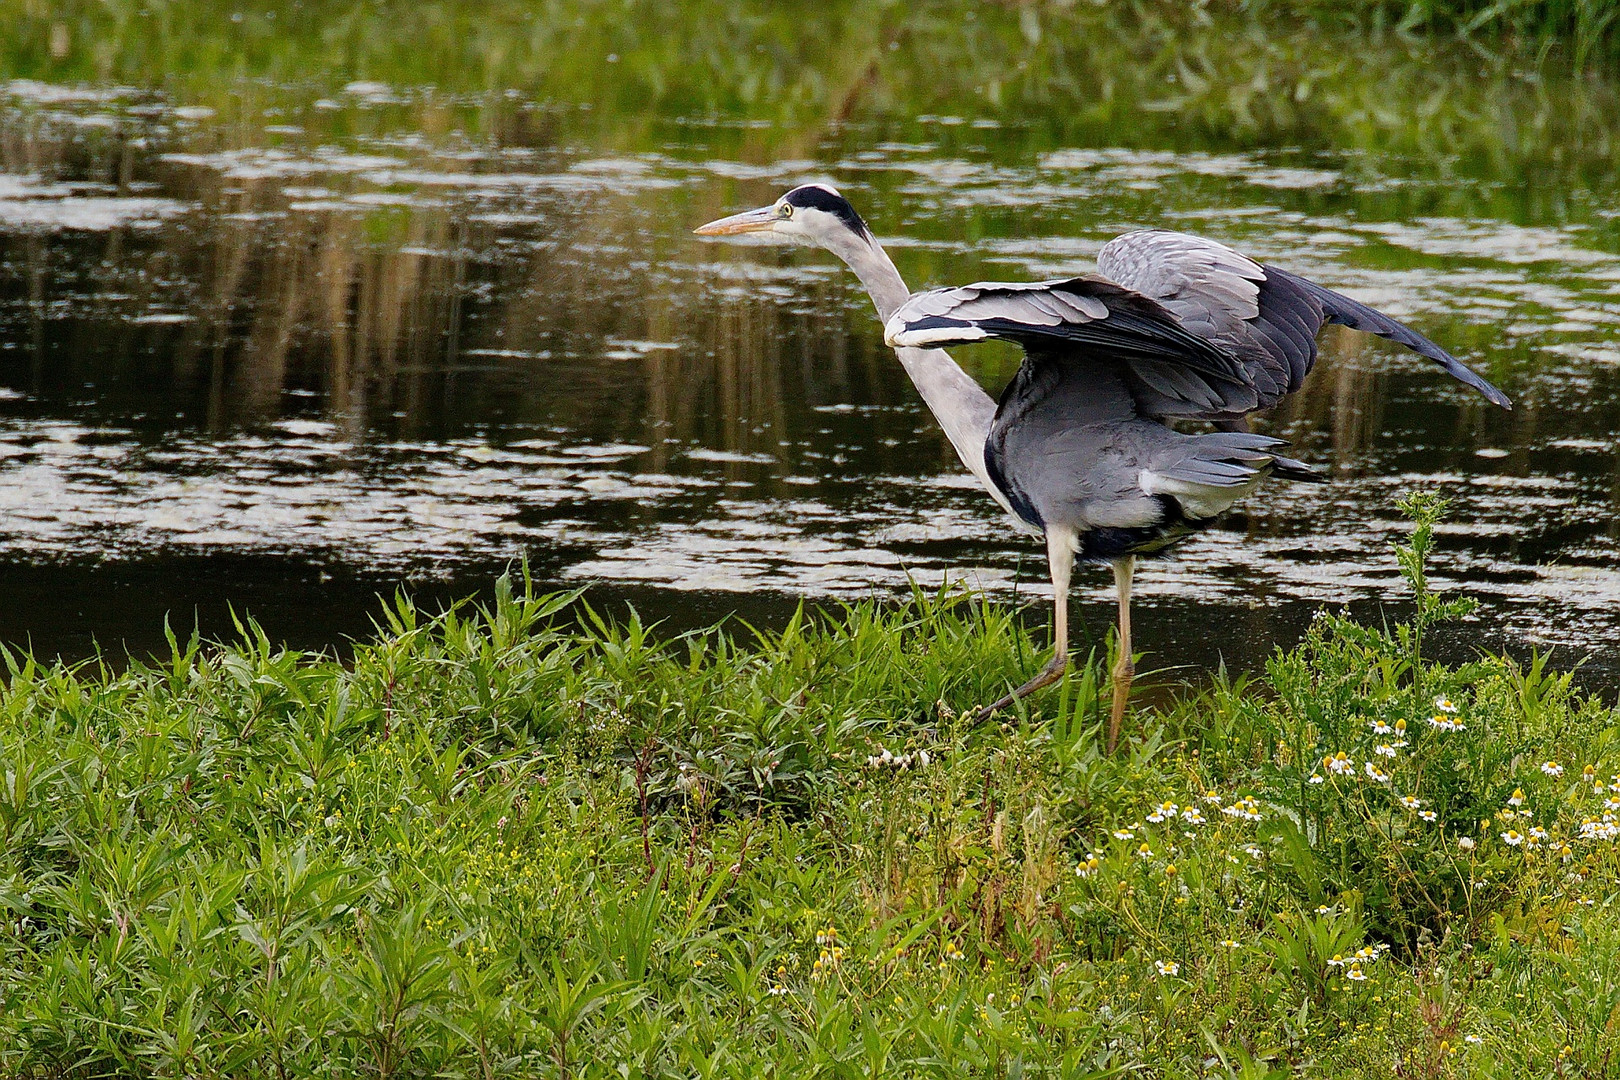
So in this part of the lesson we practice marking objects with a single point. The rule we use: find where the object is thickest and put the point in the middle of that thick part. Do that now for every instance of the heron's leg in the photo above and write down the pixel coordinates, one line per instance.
(1060, 554)
(1124, 669)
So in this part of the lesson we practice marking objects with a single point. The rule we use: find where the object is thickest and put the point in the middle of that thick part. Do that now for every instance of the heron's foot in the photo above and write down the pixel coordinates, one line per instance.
(1124, 672)
(1049, 674)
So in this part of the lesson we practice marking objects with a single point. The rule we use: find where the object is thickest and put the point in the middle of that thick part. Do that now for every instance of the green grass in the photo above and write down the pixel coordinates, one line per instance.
(1585, 30)
(495, 844)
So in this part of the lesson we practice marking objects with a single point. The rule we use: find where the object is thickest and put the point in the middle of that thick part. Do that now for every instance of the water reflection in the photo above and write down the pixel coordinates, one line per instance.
(411, 352)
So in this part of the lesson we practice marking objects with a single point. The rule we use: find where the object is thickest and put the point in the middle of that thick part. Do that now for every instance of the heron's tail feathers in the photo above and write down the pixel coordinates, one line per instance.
(1287, 468)
(1208, 473)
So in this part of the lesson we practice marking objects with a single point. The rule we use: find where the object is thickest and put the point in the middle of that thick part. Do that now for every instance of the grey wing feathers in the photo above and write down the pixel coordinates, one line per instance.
(1173, 371)
(1220, 295)
(1267, 316)
(1204, 284)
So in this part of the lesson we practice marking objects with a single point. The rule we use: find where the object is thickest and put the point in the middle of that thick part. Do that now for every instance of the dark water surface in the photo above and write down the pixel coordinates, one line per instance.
(290, 344)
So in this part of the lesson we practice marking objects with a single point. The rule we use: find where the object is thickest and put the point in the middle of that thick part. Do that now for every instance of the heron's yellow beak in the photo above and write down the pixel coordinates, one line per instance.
(746, 222)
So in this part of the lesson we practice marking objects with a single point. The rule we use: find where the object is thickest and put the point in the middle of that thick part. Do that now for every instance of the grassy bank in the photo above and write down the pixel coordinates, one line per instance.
(488, 846)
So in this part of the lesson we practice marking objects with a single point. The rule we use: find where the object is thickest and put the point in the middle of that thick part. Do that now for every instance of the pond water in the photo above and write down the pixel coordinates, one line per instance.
(283, 342)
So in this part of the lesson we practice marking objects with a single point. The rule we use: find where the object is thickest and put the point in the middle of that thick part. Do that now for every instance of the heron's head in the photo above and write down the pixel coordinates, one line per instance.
(809, 214)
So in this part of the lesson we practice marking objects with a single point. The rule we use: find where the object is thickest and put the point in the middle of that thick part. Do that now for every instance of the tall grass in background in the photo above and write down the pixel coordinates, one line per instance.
(492, 845)
(1585, 31)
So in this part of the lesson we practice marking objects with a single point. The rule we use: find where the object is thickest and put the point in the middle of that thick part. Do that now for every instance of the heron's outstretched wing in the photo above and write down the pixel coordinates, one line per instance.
(1267, 316)
(1079, 322)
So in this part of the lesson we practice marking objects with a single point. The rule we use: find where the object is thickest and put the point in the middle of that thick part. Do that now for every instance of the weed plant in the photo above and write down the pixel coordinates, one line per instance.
(492, 846)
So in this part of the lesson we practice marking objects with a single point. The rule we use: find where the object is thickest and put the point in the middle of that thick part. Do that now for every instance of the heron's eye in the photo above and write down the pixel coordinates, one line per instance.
(786, 210)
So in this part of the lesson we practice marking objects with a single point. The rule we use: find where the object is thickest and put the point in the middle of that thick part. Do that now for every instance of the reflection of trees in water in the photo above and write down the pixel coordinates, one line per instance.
(417, 316)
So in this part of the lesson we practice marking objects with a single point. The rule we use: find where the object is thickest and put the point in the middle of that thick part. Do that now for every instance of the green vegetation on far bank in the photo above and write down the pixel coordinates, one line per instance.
(490, 846)
(1503, 87)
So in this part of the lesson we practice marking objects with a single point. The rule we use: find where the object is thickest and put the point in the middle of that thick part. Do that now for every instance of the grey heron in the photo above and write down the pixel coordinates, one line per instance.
(1078, 448)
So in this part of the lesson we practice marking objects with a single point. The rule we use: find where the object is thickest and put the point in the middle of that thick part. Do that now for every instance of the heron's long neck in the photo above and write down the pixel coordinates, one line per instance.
(959, 403)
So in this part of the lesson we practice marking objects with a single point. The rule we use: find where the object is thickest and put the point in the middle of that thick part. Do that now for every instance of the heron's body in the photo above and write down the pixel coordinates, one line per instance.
(1078, 448)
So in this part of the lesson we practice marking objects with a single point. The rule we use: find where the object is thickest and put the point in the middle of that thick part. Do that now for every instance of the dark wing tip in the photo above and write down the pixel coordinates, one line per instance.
(1340, 309)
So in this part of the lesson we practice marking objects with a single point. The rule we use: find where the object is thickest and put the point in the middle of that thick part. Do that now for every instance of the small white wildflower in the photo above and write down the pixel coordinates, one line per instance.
(1443, 704)
(1167, 968)
(1553, 769)
(1427, 815)
(1465, 843)
(1124, 834)
(1144, 852)
(1316, 778)
(1088, 866)
(1323, 909)
(1193, 816)
(1377, 774)
(1411, 802)
(1512, 838)
(1339, 763)
(1517, 798)
(1355, 974)
(1252, 851)
(1473, 1040)
(1381, 728)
